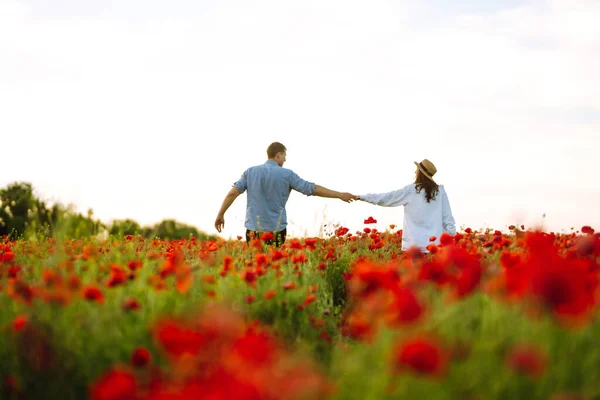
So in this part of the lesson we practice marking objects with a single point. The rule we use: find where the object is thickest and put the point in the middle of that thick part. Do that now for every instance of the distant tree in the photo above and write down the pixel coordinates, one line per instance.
(124, 227)
(47, 217)
(72, 224)
(16, 208)
(170, 229)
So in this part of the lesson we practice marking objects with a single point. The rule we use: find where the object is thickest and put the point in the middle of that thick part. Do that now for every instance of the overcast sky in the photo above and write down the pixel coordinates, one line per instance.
(152, 109)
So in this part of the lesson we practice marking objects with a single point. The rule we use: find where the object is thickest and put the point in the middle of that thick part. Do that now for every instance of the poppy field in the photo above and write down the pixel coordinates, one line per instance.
(483, 315)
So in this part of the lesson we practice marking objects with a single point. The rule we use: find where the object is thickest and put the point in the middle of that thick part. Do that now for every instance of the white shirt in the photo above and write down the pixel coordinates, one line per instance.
(421, 219)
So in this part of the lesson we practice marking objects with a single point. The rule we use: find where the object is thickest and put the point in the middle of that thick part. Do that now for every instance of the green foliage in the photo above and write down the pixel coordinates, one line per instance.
(22, 214)
(74, 225)
(120, 228)
(170, 229)
(17, 203)
(336, 282)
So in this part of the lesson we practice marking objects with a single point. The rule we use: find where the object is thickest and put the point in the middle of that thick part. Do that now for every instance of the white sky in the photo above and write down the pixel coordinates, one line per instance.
(151, 110)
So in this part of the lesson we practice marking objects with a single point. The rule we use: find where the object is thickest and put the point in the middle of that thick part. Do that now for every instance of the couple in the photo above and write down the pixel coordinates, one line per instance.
(427, 210)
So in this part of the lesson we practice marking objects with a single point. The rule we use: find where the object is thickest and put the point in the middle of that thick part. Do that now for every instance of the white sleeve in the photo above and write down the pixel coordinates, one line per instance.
(447, 218)
(396, 198)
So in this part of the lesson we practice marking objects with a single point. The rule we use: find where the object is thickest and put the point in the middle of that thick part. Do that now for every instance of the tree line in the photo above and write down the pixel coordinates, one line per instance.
(23, 214)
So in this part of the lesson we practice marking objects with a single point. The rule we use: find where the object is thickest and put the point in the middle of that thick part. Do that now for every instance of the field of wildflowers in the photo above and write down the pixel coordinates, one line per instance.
(483, 315)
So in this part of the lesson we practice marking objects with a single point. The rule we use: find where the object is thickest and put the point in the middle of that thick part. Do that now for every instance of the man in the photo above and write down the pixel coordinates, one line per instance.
(269, 186)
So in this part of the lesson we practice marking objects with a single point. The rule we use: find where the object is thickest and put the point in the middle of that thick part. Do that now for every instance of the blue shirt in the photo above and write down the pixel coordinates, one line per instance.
(269, 187)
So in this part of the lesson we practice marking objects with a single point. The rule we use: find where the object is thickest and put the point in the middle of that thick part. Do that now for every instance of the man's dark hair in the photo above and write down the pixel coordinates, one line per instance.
(275, 148)
(423, 182)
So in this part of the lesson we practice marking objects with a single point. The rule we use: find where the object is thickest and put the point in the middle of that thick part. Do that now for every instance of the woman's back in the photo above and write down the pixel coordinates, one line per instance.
(427, 210)
(423, 219)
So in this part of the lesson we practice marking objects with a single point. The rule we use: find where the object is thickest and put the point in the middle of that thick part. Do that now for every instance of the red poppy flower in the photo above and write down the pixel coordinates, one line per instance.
(370, 220)
(341, 231)
(414, 253)
(255, 347)
(299, 258)
(92, 293)
(227, 261)
(140, 357)
(250, 276)
(277, 255)
(269, 294)
(7, 257)
(115, 385)
(295, 244)
(311, 298)
(405, 308)
(564, 290)
(134, 265)
(509, 260)
(19, 323)
(131, 305)
(588, 230)
(468, 279)
(446, 239)
(19, 290)
(432, 248)
(434, 271)
(267, 236)
(527, 360)
(368, 277)
(177, 339)
(423, 356)
(261, 259)
(310, 243)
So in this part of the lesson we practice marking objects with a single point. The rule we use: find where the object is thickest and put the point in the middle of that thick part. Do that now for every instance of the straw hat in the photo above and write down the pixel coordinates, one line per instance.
(427, 168)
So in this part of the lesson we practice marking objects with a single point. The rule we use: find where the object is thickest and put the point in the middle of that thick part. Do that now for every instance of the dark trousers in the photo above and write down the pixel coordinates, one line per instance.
(277, 241)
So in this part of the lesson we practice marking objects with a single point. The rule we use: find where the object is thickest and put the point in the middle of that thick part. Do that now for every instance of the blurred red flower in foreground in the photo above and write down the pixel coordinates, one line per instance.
(405, 308)
(564, 286)
(227, 358)
(92, 293)
(115, 385)
(19, 323)
(7, 257)
(587, 229)
(140, 357)
(177, 339)
(420, 355)
(527, 360)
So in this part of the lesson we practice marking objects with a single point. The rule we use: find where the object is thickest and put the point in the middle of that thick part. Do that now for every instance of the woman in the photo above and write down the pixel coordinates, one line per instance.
(427, 210)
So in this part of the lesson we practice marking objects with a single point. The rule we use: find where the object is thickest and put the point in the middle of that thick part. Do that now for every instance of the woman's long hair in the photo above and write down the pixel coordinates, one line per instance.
(423, 182)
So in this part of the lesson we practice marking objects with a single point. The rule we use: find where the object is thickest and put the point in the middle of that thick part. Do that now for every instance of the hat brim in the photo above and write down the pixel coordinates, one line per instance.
(423, 171)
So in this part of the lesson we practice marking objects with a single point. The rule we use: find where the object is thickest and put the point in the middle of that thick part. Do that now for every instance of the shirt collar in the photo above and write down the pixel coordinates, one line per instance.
(271, 162)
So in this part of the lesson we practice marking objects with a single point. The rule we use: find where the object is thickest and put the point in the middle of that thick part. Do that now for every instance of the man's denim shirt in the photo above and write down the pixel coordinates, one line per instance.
(269, 187)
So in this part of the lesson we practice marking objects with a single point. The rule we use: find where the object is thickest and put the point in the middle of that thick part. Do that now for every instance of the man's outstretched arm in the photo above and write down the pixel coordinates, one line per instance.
(324, 192)
(227, 201)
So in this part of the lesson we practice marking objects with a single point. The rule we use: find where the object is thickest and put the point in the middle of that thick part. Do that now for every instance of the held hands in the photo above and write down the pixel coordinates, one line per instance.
(348, 197)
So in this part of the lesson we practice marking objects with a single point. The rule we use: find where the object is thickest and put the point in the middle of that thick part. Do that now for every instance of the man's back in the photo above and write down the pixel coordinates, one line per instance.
(269, 187)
